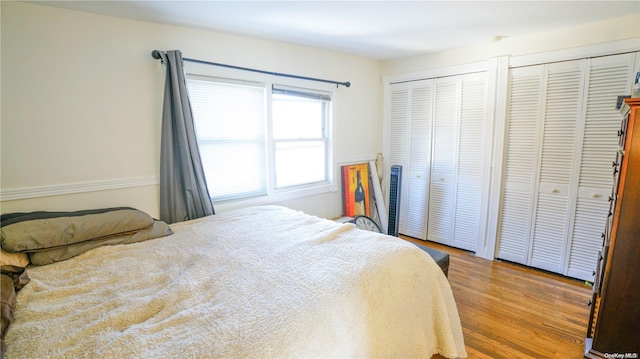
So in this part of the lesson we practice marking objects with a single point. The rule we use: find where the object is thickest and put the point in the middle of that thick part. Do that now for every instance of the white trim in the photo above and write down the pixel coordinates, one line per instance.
(349, 160)
(283, 196)
(74, 188)
(275, 198)
(497, 83)
(604, 49)
(386, 148)
(438, 72)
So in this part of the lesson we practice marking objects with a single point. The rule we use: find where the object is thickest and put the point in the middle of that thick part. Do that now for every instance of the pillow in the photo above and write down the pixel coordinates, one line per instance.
(13, 259)
(24, 232)
(47, 256)
(12, 279)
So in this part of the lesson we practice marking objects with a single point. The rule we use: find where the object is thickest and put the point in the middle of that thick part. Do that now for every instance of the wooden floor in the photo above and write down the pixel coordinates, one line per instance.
(511, 311)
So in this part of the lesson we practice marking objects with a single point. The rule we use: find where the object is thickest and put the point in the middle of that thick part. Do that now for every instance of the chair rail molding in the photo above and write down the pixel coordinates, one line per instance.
(13, 194)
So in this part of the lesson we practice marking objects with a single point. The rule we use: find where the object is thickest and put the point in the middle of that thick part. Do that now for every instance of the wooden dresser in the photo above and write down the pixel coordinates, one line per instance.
(614, 324)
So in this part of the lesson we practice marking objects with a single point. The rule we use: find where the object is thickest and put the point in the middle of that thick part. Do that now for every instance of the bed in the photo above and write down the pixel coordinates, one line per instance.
(260, 282)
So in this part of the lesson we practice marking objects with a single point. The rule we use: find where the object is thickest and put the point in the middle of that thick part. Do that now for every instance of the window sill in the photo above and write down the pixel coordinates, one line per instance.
(274, 198)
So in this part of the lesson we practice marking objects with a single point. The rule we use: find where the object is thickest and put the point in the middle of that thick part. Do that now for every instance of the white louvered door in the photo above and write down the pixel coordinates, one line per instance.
(608, 77)
(419, 159)
(410, 147)
(398, 140)
(560, 122)
(521, 163)
(436, 132)
(469, 171)
(444, 158)
(561, 142)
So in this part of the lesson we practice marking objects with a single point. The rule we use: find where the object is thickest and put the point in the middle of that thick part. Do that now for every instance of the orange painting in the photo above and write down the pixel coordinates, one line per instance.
(355, 189)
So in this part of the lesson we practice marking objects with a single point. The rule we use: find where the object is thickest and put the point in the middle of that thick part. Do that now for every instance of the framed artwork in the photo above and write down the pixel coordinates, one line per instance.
(355, 189)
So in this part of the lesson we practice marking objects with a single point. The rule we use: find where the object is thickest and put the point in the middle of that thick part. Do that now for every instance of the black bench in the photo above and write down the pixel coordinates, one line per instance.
(441, 258)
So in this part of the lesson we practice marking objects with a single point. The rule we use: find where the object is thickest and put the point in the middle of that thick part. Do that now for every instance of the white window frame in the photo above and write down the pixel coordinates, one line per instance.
(324, 138)
(275, 195)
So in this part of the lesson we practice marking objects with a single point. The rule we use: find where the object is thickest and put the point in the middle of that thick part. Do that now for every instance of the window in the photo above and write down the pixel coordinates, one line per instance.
(230, 127)
(258, 139)
(299, 137)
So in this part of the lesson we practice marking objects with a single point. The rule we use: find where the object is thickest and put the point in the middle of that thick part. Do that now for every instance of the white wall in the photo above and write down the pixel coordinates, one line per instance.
(623, 28)
(82, 99)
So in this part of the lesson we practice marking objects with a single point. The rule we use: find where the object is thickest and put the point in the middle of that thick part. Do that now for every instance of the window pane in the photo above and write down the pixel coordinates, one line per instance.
(230, 125)
(234, 169)
(227, 111)
(297, 117)
(300, 162)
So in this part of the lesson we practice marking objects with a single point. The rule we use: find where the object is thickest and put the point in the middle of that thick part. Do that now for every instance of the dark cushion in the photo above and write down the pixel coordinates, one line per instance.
(12, 279)
(440, 257)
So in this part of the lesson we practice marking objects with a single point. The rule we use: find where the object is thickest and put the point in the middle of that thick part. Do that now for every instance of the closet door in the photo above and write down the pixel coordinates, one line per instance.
(470, 169)
(436, 132)
(444, 158)
(560, 123)
(608, 77)
(419, 159)
(536, 205)
(398, 141)
(521, 163)
(410, 147)
(560, 147)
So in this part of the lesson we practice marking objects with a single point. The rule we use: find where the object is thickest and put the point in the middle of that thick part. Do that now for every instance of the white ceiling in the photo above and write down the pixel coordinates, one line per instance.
(374, 29)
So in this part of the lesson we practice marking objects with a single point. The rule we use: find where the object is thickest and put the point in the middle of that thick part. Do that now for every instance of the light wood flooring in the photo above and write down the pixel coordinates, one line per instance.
(512, 311)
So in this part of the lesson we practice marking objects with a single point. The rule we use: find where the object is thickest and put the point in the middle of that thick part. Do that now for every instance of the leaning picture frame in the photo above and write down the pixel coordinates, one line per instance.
(356, 190)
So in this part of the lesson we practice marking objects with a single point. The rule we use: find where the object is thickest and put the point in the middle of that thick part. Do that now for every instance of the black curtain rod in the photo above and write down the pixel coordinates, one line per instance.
(156, 55)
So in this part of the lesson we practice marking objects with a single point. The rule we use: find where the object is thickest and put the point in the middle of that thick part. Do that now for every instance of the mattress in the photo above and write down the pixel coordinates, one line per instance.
(260, 282)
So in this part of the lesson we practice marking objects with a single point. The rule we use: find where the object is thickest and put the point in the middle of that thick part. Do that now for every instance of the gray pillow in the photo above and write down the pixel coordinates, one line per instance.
(49, 237)
(25, 232)
(47, 256)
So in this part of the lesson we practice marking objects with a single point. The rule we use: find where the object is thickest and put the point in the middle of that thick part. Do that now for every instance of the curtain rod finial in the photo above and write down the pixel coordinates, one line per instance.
(347, 84)
(156, 54)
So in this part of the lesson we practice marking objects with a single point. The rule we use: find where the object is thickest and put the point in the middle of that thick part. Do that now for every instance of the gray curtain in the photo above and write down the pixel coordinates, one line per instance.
(183, 189)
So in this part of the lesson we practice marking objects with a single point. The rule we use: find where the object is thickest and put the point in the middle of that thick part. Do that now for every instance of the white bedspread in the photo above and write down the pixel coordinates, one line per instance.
(262, 282)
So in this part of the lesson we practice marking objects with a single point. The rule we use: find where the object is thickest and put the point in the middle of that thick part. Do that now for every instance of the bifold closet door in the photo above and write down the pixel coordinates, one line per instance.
(561, 136)
(419, 158)
(446, 116)
(459, 123)
(470, 162)
(560, 127)
(521, 162)
(436, 132)
(544, 112)
(398, 141)
(410, 146)
(608, 77)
